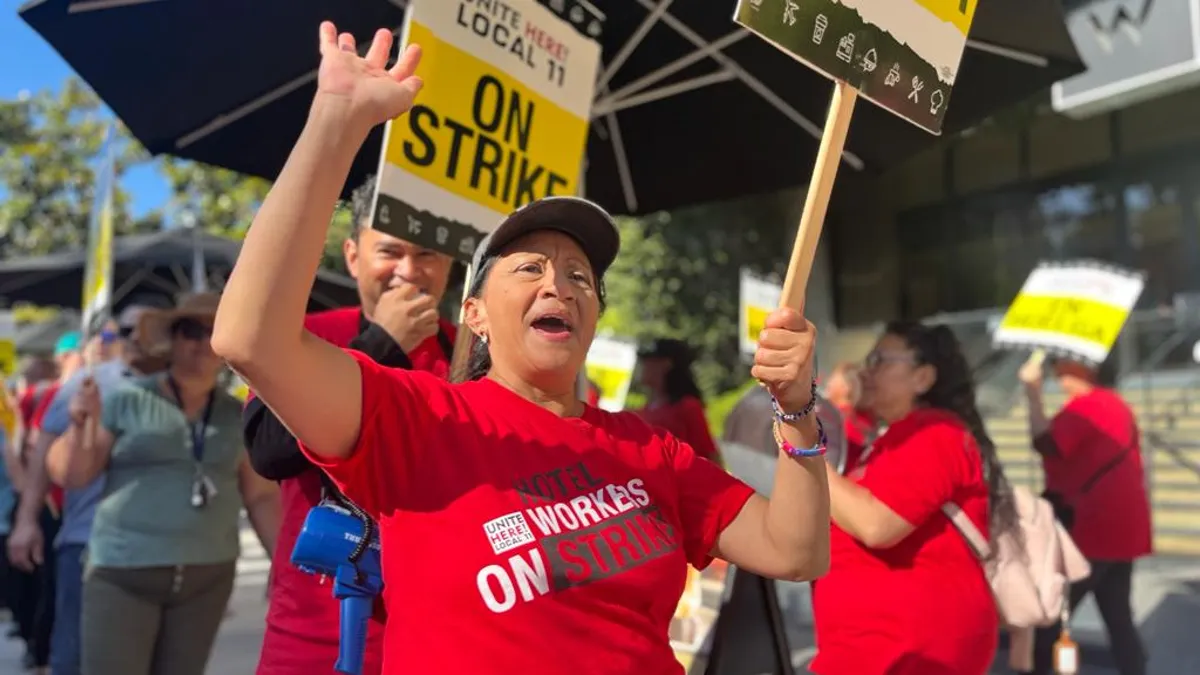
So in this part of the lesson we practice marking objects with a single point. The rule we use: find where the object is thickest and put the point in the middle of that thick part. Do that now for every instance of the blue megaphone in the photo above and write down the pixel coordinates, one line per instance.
(327, 545)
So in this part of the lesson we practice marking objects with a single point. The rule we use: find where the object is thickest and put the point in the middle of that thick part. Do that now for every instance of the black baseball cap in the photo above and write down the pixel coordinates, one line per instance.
(586, 222)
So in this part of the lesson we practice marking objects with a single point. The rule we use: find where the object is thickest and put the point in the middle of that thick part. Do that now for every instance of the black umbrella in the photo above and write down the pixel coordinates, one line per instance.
(692, 108)
(146, 264)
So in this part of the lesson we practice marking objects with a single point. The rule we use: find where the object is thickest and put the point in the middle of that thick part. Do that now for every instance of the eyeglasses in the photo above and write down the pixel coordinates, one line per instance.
(876, 359)
(190, 329)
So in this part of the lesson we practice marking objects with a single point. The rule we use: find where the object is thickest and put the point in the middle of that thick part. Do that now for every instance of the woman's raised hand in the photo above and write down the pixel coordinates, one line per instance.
(371, 92)
(784, 359)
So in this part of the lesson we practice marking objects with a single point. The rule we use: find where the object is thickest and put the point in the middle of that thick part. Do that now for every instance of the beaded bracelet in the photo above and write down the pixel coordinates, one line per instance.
(790, 450)
(782, 416)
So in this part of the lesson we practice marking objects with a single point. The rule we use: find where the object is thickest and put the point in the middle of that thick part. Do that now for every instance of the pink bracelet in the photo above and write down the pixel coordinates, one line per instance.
(790, 450)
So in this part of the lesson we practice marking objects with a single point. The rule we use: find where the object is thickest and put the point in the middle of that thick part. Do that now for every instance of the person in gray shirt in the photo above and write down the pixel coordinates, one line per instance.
(750, 424)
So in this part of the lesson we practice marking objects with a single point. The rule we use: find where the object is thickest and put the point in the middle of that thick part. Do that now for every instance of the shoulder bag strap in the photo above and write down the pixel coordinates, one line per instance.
(962, 522)
(1108, 466)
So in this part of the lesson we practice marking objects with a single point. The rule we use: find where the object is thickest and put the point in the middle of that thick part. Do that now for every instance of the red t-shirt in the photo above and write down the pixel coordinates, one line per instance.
(55, 495)
(1112, 519)
(686, 421)
(859, 426)
(516, 541)
(922, 607)
(302, 621)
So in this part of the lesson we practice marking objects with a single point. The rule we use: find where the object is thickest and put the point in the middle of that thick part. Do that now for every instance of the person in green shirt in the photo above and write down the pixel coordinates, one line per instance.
(165, 539)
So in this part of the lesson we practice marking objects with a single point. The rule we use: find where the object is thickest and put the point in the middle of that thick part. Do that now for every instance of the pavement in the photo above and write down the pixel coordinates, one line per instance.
(1166, 604)
(237, 646)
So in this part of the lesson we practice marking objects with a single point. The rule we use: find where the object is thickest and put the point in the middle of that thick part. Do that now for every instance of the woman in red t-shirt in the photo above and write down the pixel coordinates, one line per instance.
(843, 388)
(905, 594)
(1092, 457)
(676, 403)
(522, 530)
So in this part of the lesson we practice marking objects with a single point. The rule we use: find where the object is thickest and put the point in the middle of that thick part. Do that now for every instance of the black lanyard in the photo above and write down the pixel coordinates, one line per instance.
(200, 429)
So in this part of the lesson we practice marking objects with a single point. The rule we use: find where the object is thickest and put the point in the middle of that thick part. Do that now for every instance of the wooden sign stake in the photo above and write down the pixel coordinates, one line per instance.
(820, 187)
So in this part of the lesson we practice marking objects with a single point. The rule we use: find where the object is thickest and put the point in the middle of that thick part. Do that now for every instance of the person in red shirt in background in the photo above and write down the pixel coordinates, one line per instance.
(1092, 457)
(675, 402)
(35, 610)
(398, 326)
(905, 594)
(843, 388)
(522, 531)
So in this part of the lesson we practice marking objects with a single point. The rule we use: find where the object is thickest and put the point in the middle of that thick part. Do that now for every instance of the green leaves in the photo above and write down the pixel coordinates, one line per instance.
(677, 276)
(218, 200)
(50, 145)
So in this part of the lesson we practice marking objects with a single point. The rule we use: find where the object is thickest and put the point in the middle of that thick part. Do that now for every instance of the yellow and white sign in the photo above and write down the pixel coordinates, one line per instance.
(8, 343)
(610, 364)
(238, 388)
(501, 121)
(98, 272)
(1075, 309)
(759, 297)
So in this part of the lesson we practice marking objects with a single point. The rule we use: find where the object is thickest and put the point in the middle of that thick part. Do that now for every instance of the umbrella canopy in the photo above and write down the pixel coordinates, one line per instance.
(690, 108)
(151, 264)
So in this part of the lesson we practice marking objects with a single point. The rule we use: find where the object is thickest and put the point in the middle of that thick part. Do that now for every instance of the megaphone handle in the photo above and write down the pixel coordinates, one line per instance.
(352, 642)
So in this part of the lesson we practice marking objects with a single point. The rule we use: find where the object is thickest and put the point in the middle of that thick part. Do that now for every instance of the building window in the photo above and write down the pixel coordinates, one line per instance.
(1075, 221)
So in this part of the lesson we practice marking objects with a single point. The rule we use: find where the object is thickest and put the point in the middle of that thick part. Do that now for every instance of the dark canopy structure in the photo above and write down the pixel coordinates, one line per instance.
(159, 264)
(690, 107)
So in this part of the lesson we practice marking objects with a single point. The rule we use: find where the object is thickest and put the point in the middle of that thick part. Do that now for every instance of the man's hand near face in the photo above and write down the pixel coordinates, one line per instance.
(408, 315)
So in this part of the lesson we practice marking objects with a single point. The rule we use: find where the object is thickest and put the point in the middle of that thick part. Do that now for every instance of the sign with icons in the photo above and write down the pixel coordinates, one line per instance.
(901, 54)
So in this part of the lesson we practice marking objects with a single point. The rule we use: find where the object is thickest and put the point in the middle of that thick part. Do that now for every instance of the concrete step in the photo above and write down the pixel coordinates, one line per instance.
(1171, 544)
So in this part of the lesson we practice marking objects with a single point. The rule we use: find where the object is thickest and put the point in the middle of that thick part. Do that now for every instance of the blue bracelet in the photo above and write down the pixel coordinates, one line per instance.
(790, 450)
(802, 413)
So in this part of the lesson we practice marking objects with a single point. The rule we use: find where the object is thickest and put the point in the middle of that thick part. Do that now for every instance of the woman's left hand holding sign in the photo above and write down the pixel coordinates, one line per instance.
(363, 88)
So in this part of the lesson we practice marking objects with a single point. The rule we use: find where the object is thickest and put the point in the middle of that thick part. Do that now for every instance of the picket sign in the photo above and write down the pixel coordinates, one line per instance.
(902, 55)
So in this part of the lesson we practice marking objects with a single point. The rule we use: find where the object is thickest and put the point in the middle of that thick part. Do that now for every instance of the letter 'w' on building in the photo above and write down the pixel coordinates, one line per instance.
(501, 121)
(98, 272)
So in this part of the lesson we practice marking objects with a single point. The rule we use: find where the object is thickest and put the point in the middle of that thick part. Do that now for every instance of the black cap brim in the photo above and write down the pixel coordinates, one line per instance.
(584, 221)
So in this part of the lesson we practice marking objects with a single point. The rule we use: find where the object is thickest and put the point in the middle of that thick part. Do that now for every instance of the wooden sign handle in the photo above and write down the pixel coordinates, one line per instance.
(829, 157)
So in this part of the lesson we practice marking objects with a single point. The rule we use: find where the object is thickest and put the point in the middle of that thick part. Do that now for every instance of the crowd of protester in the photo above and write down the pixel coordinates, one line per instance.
(128, 467)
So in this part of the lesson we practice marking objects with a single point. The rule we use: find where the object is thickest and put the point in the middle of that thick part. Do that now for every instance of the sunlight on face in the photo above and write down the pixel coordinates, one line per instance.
(539, 309)
(892, 379)
(378, 261)
(191, 347)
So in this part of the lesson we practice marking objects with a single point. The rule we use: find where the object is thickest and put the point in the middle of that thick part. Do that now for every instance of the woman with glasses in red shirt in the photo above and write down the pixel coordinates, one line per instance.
(905, 594)
(552, 535)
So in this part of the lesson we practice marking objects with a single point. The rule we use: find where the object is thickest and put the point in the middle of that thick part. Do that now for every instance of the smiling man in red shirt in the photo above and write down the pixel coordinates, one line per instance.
(400, 285)
(1092, 457)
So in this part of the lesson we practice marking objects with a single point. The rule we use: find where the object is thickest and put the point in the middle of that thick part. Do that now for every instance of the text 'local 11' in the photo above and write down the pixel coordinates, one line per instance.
(502, 120)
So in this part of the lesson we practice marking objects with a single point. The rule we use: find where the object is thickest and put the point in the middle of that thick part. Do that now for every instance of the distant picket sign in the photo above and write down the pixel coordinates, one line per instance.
(758, 297)
(1074, 309)
(610, 365)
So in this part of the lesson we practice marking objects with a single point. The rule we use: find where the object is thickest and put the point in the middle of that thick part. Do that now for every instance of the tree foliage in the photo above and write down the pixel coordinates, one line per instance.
(220, 201)
(50, 147)
(677, 276)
